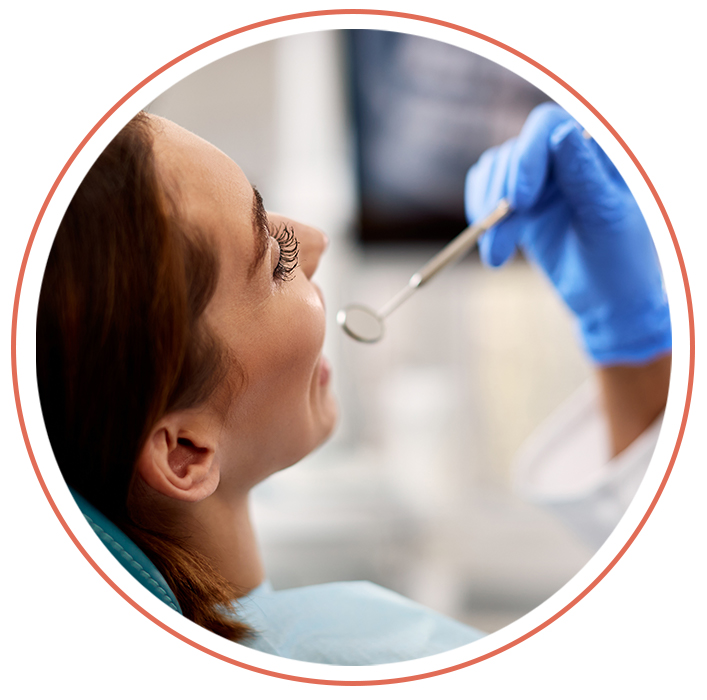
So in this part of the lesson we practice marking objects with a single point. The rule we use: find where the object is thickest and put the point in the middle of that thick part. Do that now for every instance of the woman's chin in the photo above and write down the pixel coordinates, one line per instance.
(324, 373)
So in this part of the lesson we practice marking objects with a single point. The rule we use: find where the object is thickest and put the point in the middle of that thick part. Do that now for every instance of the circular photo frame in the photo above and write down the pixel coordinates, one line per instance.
(24, 349)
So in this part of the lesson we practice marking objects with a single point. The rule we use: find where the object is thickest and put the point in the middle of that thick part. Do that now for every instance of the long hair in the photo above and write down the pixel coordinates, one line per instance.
(121, 341)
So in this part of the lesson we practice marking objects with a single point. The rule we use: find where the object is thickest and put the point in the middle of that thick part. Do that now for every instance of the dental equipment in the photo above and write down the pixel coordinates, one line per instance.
(366, 325)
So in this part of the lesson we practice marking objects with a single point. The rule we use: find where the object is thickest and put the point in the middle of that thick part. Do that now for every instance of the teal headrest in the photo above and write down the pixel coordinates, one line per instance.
(127, 553)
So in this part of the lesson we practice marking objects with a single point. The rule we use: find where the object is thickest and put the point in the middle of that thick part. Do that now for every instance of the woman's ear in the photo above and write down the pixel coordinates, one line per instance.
(178, 458)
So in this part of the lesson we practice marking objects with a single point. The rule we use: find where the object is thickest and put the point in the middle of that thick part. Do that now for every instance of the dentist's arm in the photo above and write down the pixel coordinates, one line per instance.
(633, 397)
(576, 219)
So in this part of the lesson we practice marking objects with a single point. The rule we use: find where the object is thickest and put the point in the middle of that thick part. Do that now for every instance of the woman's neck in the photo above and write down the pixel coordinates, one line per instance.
(218, 527)
(222, 531)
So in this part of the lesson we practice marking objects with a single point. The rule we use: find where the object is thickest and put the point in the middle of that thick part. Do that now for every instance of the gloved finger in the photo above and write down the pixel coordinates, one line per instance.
(583, 179)
(607, 163)
(486, 182)
(500, 242)
(529, 164)
(520, 174)
(485, 186)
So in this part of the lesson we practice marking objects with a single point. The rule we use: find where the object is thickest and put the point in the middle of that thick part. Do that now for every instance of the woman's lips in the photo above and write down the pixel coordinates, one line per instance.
(324, 371)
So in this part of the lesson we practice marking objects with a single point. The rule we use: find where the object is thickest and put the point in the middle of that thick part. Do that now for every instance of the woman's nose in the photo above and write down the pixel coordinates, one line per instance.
(312, 244)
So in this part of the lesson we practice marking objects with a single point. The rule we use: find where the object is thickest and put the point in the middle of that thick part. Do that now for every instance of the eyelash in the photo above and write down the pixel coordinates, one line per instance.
(289, 248)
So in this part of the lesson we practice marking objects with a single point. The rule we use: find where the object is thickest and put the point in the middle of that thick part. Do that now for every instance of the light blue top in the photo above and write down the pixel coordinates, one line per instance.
(353, 623)
(348, 624)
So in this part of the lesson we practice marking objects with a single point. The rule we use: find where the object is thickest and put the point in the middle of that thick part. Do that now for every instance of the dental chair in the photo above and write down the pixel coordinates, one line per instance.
(127, 553)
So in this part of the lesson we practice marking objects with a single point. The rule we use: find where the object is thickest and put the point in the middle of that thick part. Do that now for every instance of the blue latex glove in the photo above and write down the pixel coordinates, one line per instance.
(577, 220)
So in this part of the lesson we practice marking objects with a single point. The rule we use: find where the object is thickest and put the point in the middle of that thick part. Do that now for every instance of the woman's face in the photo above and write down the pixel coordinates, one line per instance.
(271, 321)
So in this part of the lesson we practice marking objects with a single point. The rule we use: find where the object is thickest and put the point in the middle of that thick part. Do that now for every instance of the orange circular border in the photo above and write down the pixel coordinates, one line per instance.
(440, 23)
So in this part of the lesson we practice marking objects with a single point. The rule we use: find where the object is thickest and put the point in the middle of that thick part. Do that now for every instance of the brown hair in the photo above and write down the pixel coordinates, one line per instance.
(121, 341)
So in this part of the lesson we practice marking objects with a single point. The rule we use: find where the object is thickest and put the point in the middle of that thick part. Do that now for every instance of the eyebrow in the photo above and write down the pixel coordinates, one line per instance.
(260, 232)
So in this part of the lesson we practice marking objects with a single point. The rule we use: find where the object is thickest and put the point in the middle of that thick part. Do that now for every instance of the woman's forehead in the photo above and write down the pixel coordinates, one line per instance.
(201, 177)
(209, 191)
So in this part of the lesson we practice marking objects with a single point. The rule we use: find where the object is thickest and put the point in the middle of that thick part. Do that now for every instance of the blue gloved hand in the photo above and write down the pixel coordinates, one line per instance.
(576, 219)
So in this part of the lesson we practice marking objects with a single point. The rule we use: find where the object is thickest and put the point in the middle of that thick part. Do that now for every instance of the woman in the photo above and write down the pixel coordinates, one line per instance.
(179, 364)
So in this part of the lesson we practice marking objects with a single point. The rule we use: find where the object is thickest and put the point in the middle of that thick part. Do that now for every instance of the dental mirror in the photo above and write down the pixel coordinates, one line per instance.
(367, 326)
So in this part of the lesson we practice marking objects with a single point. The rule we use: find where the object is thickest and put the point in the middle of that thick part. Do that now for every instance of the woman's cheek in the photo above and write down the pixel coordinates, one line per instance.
(307, 321)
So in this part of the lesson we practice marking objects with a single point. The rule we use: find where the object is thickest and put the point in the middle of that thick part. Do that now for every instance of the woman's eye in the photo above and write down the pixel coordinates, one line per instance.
(289, 247)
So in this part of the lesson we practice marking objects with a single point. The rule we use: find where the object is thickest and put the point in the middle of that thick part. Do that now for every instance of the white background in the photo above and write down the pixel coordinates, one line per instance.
(67, 633)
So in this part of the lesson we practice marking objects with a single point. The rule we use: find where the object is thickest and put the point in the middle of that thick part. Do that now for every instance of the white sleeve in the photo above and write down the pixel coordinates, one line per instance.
(566, 468)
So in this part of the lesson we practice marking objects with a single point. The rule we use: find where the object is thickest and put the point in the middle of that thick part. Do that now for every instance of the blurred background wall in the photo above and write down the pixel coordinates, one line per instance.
(368, 136)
